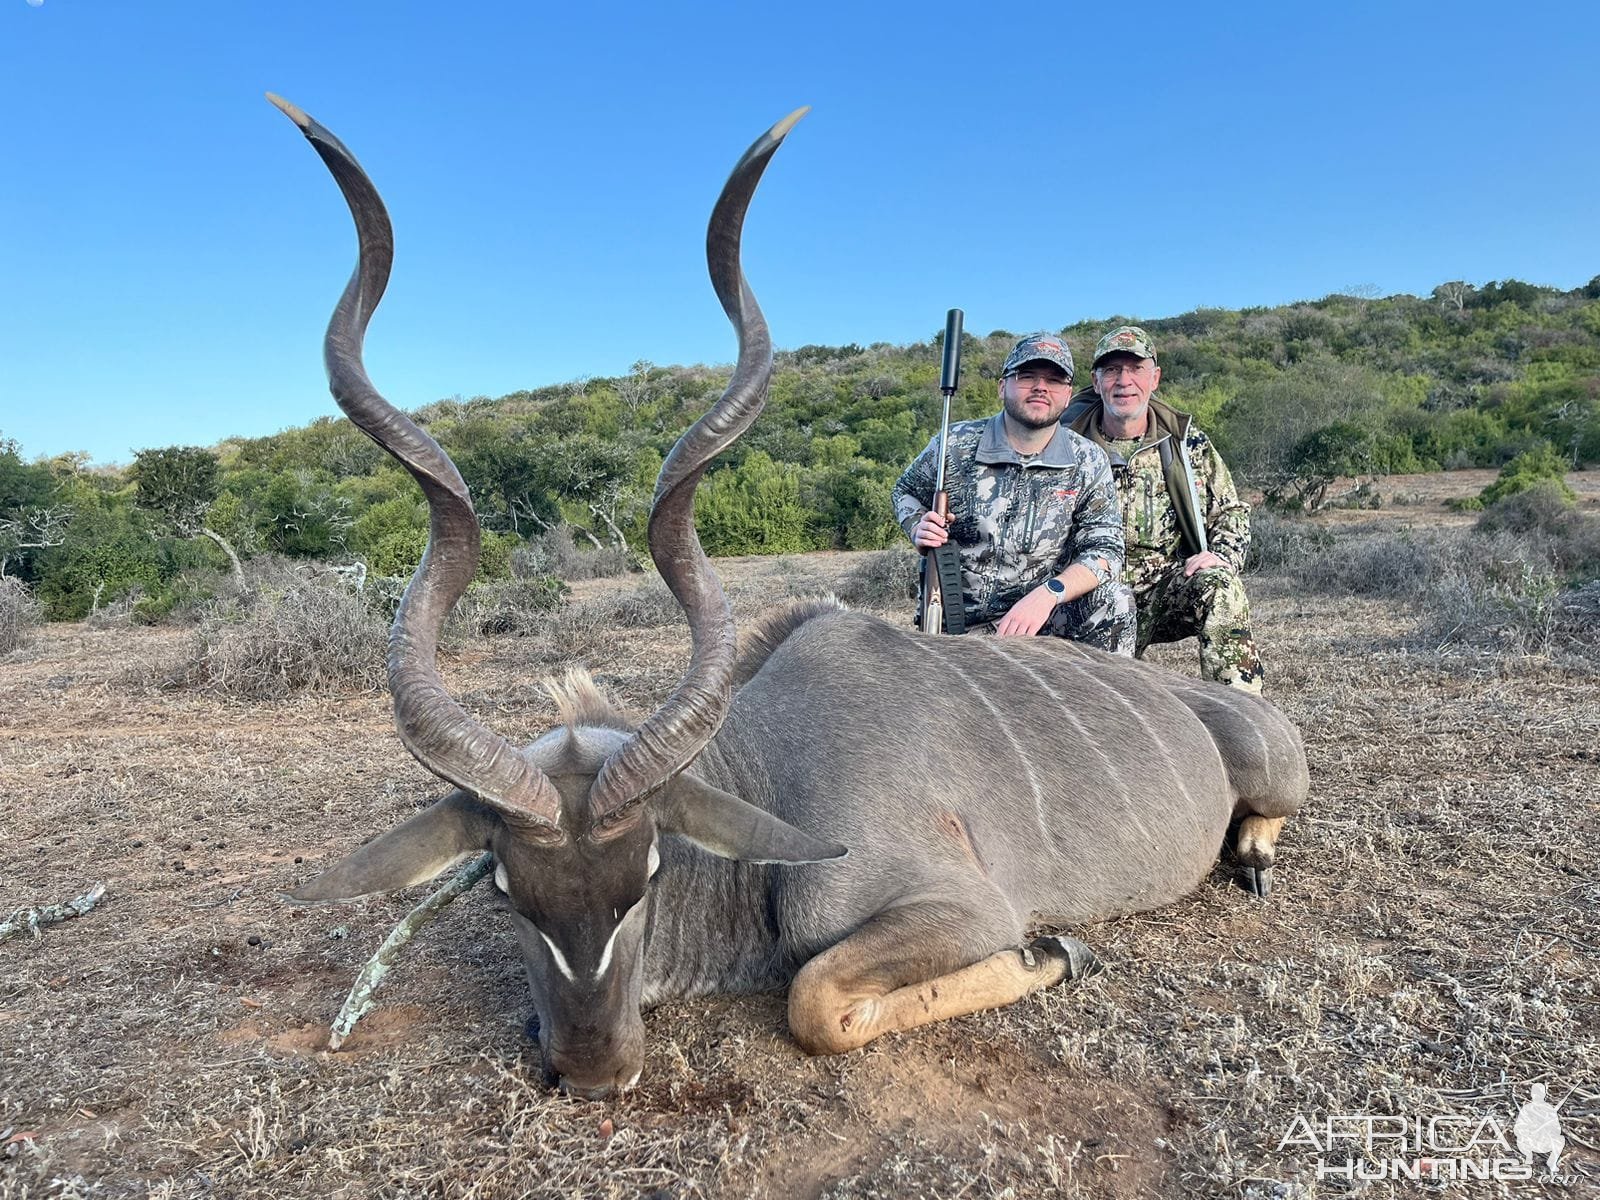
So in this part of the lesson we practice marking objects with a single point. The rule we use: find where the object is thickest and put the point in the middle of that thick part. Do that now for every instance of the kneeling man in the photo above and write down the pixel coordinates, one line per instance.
(1185, 527)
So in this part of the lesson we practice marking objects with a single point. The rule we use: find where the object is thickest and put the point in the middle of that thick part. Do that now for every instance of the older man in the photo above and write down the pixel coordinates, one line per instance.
(1033, 511)
(1185, 527)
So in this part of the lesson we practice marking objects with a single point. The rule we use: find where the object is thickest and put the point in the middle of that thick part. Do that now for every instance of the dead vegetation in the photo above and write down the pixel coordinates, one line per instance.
(1520, 581)
(306, 635)
(19, 615)
(883, 579)
(1433, 946)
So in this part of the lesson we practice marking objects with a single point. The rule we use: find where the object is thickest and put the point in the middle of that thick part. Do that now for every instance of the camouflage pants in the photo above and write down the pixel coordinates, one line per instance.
(1104, 618)
(1209, 605)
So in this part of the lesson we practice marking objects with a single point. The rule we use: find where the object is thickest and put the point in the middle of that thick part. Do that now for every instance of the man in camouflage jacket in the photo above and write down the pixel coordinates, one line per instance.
(1185, 527)
(1033, 511)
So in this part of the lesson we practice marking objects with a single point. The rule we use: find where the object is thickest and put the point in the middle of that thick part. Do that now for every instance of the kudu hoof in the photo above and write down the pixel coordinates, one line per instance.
(1255, 880)
(1081, 961)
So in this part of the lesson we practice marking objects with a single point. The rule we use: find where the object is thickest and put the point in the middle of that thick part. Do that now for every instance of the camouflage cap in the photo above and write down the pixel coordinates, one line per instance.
(1125, 339)
(1039, 347)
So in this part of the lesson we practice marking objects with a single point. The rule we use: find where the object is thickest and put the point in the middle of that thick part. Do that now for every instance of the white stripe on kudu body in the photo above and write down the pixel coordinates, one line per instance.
(1175, 771)
(1019, 748)
(1086, 738)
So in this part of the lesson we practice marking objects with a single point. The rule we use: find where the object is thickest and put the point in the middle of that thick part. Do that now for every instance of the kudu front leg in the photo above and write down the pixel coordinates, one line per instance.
(914, 965)
(1256, 849)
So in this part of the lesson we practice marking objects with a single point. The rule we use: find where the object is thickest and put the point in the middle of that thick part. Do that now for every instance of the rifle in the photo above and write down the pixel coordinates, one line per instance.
(940, 610)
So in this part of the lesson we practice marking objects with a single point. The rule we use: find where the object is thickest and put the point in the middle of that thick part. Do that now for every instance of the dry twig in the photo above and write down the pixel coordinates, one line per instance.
(359, 1002)
(29, 919)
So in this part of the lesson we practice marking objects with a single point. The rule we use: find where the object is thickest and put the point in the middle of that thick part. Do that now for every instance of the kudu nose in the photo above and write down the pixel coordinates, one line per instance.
(591, 1076)
(597, 1091)
(593, 1089)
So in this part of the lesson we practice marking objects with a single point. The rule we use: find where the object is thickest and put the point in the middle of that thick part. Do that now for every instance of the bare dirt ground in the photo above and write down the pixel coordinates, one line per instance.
(1420, 499)
(1432, 949)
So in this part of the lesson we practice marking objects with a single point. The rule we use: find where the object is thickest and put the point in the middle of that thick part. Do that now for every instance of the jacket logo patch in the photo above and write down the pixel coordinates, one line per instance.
(1064, 493)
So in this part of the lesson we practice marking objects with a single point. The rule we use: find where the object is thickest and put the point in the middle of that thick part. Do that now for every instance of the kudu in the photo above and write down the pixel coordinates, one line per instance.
(979, 783)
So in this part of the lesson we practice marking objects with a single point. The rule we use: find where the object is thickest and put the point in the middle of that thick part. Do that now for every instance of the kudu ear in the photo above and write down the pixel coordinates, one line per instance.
(412, 853)
(725, 825)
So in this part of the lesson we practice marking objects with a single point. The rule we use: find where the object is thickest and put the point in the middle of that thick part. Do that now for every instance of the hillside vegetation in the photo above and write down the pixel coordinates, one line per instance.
(1507, 374)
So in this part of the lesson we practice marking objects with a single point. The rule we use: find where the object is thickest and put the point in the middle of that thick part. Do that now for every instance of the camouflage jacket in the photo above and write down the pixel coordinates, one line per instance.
(1016, 522)
(1154, 519)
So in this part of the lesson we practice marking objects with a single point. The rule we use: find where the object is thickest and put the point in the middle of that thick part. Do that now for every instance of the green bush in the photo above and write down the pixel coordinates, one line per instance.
(386, 519)
(754, 508)
(494, 557)
(182, 600)
(1532, 467)
(1543, 506)
(110, 554)
(397, 553)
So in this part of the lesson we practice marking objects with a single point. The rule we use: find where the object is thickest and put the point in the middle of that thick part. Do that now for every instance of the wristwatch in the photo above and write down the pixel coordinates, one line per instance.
(1056, 586)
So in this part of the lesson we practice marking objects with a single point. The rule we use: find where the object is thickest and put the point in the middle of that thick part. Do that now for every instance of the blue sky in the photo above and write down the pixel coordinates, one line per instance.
(171, 247)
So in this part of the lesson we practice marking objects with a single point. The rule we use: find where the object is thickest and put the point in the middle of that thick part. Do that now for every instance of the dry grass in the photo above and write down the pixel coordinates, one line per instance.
(554, 553)
(507, 608)
(1433, 946)
(310, 634)
(1517, 583)
(883, 578)
(19, 615)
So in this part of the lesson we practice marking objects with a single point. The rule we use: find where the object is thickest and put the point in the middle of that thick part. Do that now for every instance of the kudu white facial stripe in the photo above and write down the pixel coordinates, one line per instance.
(560, 958)
(605, 955)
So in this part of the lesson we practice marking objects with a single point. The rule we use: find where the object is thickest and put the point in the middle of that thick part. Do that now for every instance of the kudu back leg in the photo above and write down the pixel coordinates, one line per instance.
(917, 964)
(1256, 849)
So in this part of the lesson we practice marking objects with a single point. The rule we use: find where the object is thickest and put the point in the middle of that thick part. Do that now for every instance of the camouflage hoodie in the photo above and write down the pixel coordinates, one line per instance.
(1016, 521)
(1154, 520)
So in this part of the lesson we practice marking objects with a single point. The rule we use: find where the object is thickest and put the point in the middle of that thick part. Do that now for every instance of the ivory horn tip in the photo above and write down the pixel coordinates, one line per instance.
(782, 128)
(296, 114)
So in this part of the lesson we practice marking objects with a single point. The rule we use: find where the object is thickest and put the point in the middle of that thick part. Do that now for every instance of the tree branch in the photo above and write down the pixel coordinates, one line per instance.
(28, 920)
(359, 1003)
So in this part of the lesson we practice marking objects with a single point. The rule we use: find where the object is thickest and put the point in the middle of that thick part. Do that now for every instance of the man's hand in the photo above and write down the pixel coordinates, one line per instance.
(1028, 615)
(931, 531)
(1199, 562)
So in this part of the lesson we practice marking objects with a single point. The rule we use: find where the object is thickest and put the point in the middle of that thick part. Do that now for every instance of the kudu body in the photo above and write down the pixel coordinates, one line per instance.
(979, 784)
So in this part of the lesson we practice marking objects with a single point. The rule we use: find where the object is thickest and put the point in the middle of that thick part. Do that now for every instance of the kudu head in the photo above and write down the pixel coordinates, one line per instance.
(573, 819)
